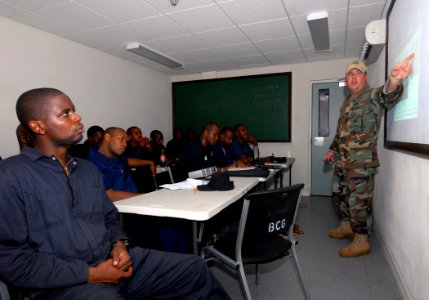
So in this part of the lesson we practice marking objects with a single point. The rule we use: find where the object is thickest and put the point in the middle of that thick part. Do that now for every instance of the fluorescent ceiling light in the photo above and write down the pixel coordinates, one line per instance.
(318, 24)
(154, 55)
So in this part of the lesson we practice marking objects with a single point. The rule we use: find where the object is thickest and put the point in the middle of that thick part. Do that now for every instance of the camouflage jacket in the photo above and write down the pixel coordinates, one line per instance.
(355, 141)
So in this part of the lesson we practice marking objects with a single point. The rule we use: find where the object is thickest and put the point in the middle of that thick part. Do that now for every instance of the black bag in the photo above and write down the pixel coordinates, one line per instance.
(256, 172)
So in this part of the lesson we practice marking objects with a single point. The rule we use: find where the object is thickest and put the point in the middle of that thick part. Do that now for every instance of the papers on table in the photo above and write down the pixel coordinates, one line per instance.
(188, 184)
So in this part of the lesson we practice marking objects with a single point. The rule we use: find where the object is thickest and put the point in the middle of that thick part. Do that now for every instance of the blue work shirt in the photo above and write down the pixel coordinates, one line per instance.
(54, 226)
(223, 156)
(196, 156)
(238, 150)
(114, 170)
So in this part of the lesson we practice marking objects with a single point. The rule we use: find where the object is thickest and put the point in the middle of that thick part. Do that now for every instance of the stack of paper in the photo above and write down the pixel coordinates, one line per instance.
(188, 184)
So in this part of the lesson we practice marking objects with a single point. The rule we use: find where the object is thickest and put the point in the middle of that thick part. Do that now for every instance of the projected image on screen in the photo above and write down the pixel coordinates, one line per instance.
(408, 107)
(408, 28)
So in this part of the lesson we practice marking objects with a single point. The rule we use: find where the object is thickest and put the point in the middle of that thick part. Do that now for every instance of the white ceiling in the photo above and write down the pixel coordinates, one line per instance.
(205, 35)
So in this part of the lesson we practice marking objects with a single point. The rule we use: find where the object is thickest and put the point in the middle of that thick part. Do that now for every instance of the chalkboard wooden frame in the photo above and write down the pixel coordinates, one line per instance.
(397, 144)
(261, 102)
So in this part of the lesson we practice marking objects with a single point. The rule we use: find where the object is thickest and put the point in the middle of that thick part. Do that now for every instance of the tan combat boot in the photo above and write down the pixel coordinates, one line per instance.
(344, 230)
(358, 247)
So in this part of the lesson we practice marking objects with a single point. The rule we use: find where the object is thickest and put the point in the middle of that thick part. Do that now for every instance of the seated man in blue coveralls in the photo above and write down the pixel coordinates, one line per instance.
(199, 153)
(241, 144)
(223, 151)
(139, 149)
(61, 238)
(120, 185)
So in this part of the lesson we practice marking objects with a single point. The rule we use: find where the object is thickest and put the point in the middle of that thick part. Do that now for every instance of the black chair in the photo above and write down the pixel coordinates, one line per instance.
(178, 171)
(265, 233)
(4, 293)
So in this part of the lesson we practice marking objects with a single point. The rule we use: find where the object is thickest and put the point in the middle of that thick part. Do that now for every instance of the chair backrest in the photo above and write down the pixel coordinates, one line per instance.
(4, 294)
(268, 214)
(178, 171)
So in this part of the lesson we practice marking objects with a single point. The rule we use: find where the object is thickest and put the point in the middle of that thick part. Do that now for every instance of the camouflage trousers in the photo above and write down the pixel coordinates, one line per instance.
(352, 193)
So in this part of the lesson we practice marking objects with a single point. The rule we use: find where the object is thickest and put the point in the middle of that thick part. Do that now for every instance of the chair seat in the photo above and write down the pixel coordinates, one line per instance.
(258, 253)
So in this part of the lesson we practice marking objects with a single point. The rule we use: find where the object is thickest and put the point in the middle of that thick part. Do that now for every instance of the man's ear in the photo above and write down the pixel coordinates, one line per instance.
(37, 127)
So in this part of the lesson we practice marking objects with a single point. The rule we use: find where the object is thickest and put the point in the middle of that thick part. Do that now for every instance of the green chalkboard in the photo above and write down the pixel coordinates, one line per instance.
(262, 103)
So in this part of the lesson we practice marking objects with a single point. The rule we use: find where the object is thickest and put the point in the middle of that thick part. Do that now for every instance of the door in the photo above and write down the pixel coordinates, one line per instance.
(327, 98)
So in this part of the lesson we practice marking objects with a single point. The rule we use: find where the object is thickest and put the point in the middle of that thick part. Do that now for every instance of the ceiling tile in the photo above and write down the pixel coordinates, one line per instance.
(223, 37)
(33, 4)
(237, 50)
(121, 10)
(156, 27)
(7, 10)
(277, 45)
(300, 24)
(356, 35)
(360, 16)
(336, 52)
(218, 65)
(268, 30)
(364, 2)
(44, 24)
(337, 19)
(296, 8)
(74, 15)
(251, 11)
(111, 36)
(201, 18)
(305, 40)
(198, 55)
(286, 57)
(353, 50)
(250, 60)
(178, 44)
(166, 7)
(337, 36)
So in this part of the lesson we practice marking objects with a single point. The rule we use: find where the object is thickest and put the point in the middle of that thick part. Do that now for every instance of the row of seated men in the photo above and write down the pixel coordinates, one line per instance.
(214, 147)
(127, 161)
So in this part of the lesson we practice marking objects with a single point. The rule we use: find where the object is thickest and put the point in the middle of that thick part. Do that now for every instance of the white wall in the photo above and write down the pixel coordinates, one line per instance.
(401, 209)
(302, 76)
(106, 90)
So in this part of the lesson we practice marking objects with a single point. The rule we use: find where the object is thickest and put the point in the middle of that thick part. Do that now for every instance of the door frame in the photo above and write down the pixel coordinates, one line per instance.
(334, 80)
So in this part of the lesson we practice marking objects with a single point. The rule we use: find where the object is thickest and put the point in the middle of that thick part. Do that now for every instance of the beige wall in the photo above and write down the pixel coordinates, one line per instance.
(106, 90)
(401, 210)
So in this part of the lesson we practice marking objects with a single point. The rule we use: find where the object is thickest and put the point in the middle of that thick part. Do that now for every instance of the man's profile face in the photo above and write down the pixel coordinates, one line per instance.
(212, 135)
(226, 138)
(117, 142)
(63, 124)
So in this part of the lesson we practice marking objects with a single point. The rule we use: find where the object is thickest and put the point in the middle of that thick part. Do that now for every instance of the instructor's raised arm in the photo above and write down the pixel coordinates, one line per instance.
(399, 72)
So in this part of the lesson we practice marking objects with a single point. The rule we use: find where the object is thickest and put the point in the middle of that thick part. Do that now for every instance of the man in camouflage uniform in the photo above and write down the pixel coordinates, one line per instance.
(354, 150)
